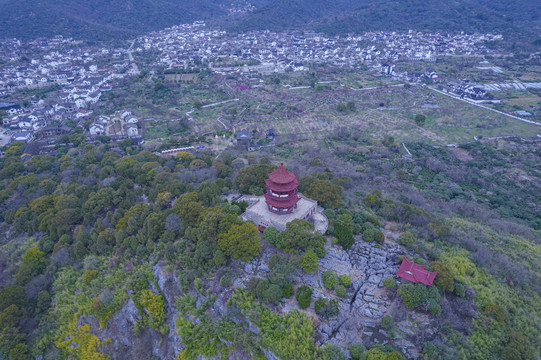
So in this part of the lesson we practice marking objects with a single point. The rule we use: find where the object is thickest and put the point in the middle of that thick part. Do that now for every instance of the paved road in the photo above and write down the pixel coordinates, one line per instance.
(485, 107)
(135, 68)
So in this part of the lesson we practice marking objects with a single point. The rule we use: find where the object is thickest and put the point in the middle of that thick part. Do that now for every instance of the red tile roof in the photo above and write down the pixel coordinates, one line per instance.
(285, 203)
(281, 187)
(415, 273)
(282, 175)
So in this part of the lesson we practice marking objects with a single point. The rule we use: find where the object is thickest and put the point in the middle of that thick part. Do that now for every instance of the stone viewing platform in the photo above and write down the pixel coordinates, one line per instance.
(282, 204)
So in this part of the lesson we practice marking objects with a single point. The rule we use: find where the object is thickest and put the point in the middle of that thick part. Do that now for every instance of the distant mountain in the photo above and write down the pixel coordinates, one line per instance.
(343, 16)
(107, 19)
(99, 19)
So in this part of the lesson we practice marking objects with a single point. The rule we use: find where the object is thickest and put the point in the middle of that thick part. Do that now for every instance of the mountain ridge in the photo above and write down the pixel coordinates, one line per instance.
(122, 19)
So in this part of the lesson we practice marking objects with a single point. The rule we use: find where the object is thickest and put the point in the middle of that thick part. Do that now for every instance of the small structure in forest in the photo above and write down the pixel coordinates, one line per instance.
(244, 139)
(415, 273)
(282, 203)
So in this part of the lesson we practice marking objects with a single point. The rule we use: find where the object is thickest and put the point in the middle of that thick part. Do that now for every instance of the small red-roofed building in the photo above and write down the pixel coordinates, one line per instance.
(415, 273)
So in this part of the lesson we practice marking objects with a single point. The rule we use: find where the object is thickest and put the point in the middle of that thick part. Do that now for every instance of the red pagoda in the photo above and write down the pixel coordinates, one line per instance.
(415, 273)
(281, 194)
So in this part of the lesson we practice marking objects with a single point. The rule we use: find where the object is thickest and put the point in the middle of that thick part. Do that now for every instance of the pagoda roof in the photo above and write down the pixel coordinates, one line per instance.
(282, 175)
(282, 187)
(285, 203)
(415, 273)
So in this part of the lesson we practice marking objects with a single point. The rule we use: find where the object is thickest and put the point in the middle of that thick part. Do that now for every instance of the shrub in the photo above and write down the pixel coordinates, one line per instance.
(332, 352)
(198, 284)
(287, 291)
(154, 304)
(390, 283)
(304, 296)
(19, 352)
(329, 279)
(332, 308)
(273, 294)
(379, 237)
(434, 307)
(320, 305)
(460, 290)
(252, 284)
(368, 235)
(387, 322)
(368, 225)
(225, 280)
(341, 291)
(308, 262)
(407, 239)
(345, 280)
(261, 289)
(274, 260)
(330, 214)
(89, 275)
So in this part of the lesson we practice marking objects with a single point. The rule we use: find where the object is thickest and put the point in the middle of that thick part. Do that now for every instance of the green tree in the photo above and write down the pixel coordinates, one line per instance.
(330, 280)
(241, 241)
(420, 119)
(34, 263)
(308, 262)
(413, 294)
(19, 352)
(444, 278)
(517, 348)
(320, 305)
(346, 220)
(387, 322)
(345, 280)
(12, 295)
(324, 191)
(36, 258)
(341, 291)
(356, 351)
(434, 307)
(379, 237)
(407, 239)
(124, 144)
(189, 208)
(287, 291)
(344, 235)
(300, 235)
(272, 235)
(390, 283)
(332, 352)
(253, 176)
(304, 296)
(10, 317)
(368, 235)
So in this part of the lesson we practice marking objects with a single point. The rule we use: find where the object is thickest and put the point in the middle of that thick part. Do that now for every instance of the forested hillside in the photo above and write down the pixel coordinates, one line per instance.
(105, 256)
(120, 19)
(344, 17)
(98, 19)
